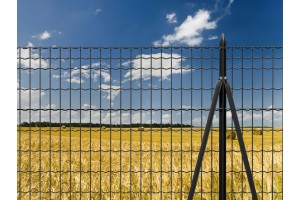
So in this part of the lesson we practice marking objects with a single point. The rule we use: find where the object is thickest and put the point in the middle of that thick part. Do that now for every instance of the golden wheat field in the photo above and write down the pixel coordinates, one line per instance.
(74, 163)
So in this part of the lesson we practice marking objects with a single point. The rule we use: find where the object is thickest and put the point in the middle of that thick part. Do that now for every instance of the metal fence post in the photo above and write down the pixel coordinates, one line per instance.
(222, 123)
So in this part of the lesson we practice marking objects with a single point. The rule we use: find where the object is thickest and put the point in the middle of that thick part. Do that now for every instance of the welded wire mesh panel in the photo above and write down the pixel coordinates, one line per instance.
(127, 122)
(255, 74)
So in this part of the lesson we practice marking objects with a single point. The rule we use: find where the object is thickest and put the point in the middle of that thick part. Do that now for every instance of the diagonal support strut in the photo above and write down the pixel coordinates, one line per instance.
(220, 83)
(205, 139)
(240, 139)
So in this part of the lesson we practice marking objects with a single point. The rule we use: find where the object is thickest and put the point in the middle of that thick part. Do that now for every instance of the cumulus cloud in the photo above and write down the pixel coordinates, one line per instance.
(85, 72)
(113, 117)
(166, 118)
(258, 117)
(31, 58)
(245, 118)
(75, 80)
(103, 73)
(171, 18)
(28, 97)
(190, 31)
(112, 91)
(125, 117)
(160, 65)
(30, 44)
(44, 36)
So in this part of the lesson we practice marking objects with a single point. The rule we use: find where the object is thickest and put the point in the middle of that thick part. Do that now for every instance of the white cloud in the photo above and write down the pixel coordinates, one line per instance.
(166, 118)
(161, 67)
(115, 117)
(75, 80)
(190, 31)
(213, 37)
(98, 11)
(56, 76)
(85, 74)
(258, 117)
(105, 75)
(28, 97)
(227, 9)
(30, 44)
(44, 36)
(112, 91)
(171, 18)
(34, 62)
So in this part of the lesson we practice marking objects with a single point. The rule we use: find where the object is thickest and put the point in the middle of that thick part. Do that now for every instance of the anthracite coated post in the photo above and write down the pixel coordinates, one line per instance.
(222, 122)
(222, 90)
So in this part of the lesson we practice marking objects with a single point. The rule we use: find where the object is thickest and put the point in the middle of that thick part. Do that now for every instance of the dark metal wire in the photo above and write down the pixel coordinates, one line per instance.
(151, 121)
(232, 74)
(50, 119)
(211, 131)
(141, 121)
(70, 129)
(161, 114)
(242, 120)
(30, 183)
(100, 120)
(201, 112)
(120, 124)
(272, 122)
(130, 124)
(110, 133)
(262, 119)
(191, 111)
(91, 124)
(19, 132)
(80, 119)
(171, 142)
(60, 136)
(181, 121)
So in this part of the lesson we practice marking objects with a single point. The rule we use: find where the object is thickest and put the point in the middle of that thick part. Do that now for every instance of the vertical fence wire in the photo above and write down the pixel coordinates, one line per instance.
(211, 131)
(262, 119)
(242, 118)
(151, 122)
(232, 124)
(70, 121)
(60, 132)
(20, 119)
(40, 128)
(100, 122)
(181, 121)
(30, 166)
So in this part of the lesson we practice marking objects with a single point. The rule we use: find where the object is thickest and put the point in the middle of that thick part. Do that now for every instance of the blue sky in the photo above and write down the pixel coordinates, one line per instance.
(148, 23)
(134, 22)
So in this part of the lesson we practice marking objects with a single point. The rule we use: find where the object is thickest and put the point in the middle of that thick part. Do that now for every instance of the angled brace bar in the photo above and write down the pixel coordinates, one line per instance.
(205, 139)
(240, 139)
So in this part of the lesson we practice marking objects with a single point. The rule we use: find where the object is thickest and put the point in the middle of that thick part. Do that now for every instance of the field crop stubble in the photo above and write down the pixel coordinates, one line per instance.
(131, 170)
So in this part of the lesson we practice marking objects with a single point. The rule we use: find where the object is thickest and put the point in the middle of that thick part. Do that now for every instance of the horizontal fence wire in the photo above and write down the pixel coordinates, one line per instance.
(127, 122)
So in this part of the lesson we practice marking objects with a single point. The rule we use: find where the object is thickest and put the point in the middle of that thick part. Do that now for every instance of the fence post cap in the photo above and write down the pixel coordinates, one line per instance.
(222, 40)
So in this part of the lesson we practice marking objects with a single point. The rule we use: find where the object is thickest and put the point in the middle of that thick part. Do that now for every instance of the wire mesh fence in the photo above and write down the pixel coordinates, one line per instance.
(127, 122)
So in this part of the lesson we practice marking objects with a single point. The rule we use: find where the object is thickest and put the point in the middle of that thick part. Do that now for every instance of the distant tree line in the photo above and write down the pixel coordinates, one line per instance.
(73, 124)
